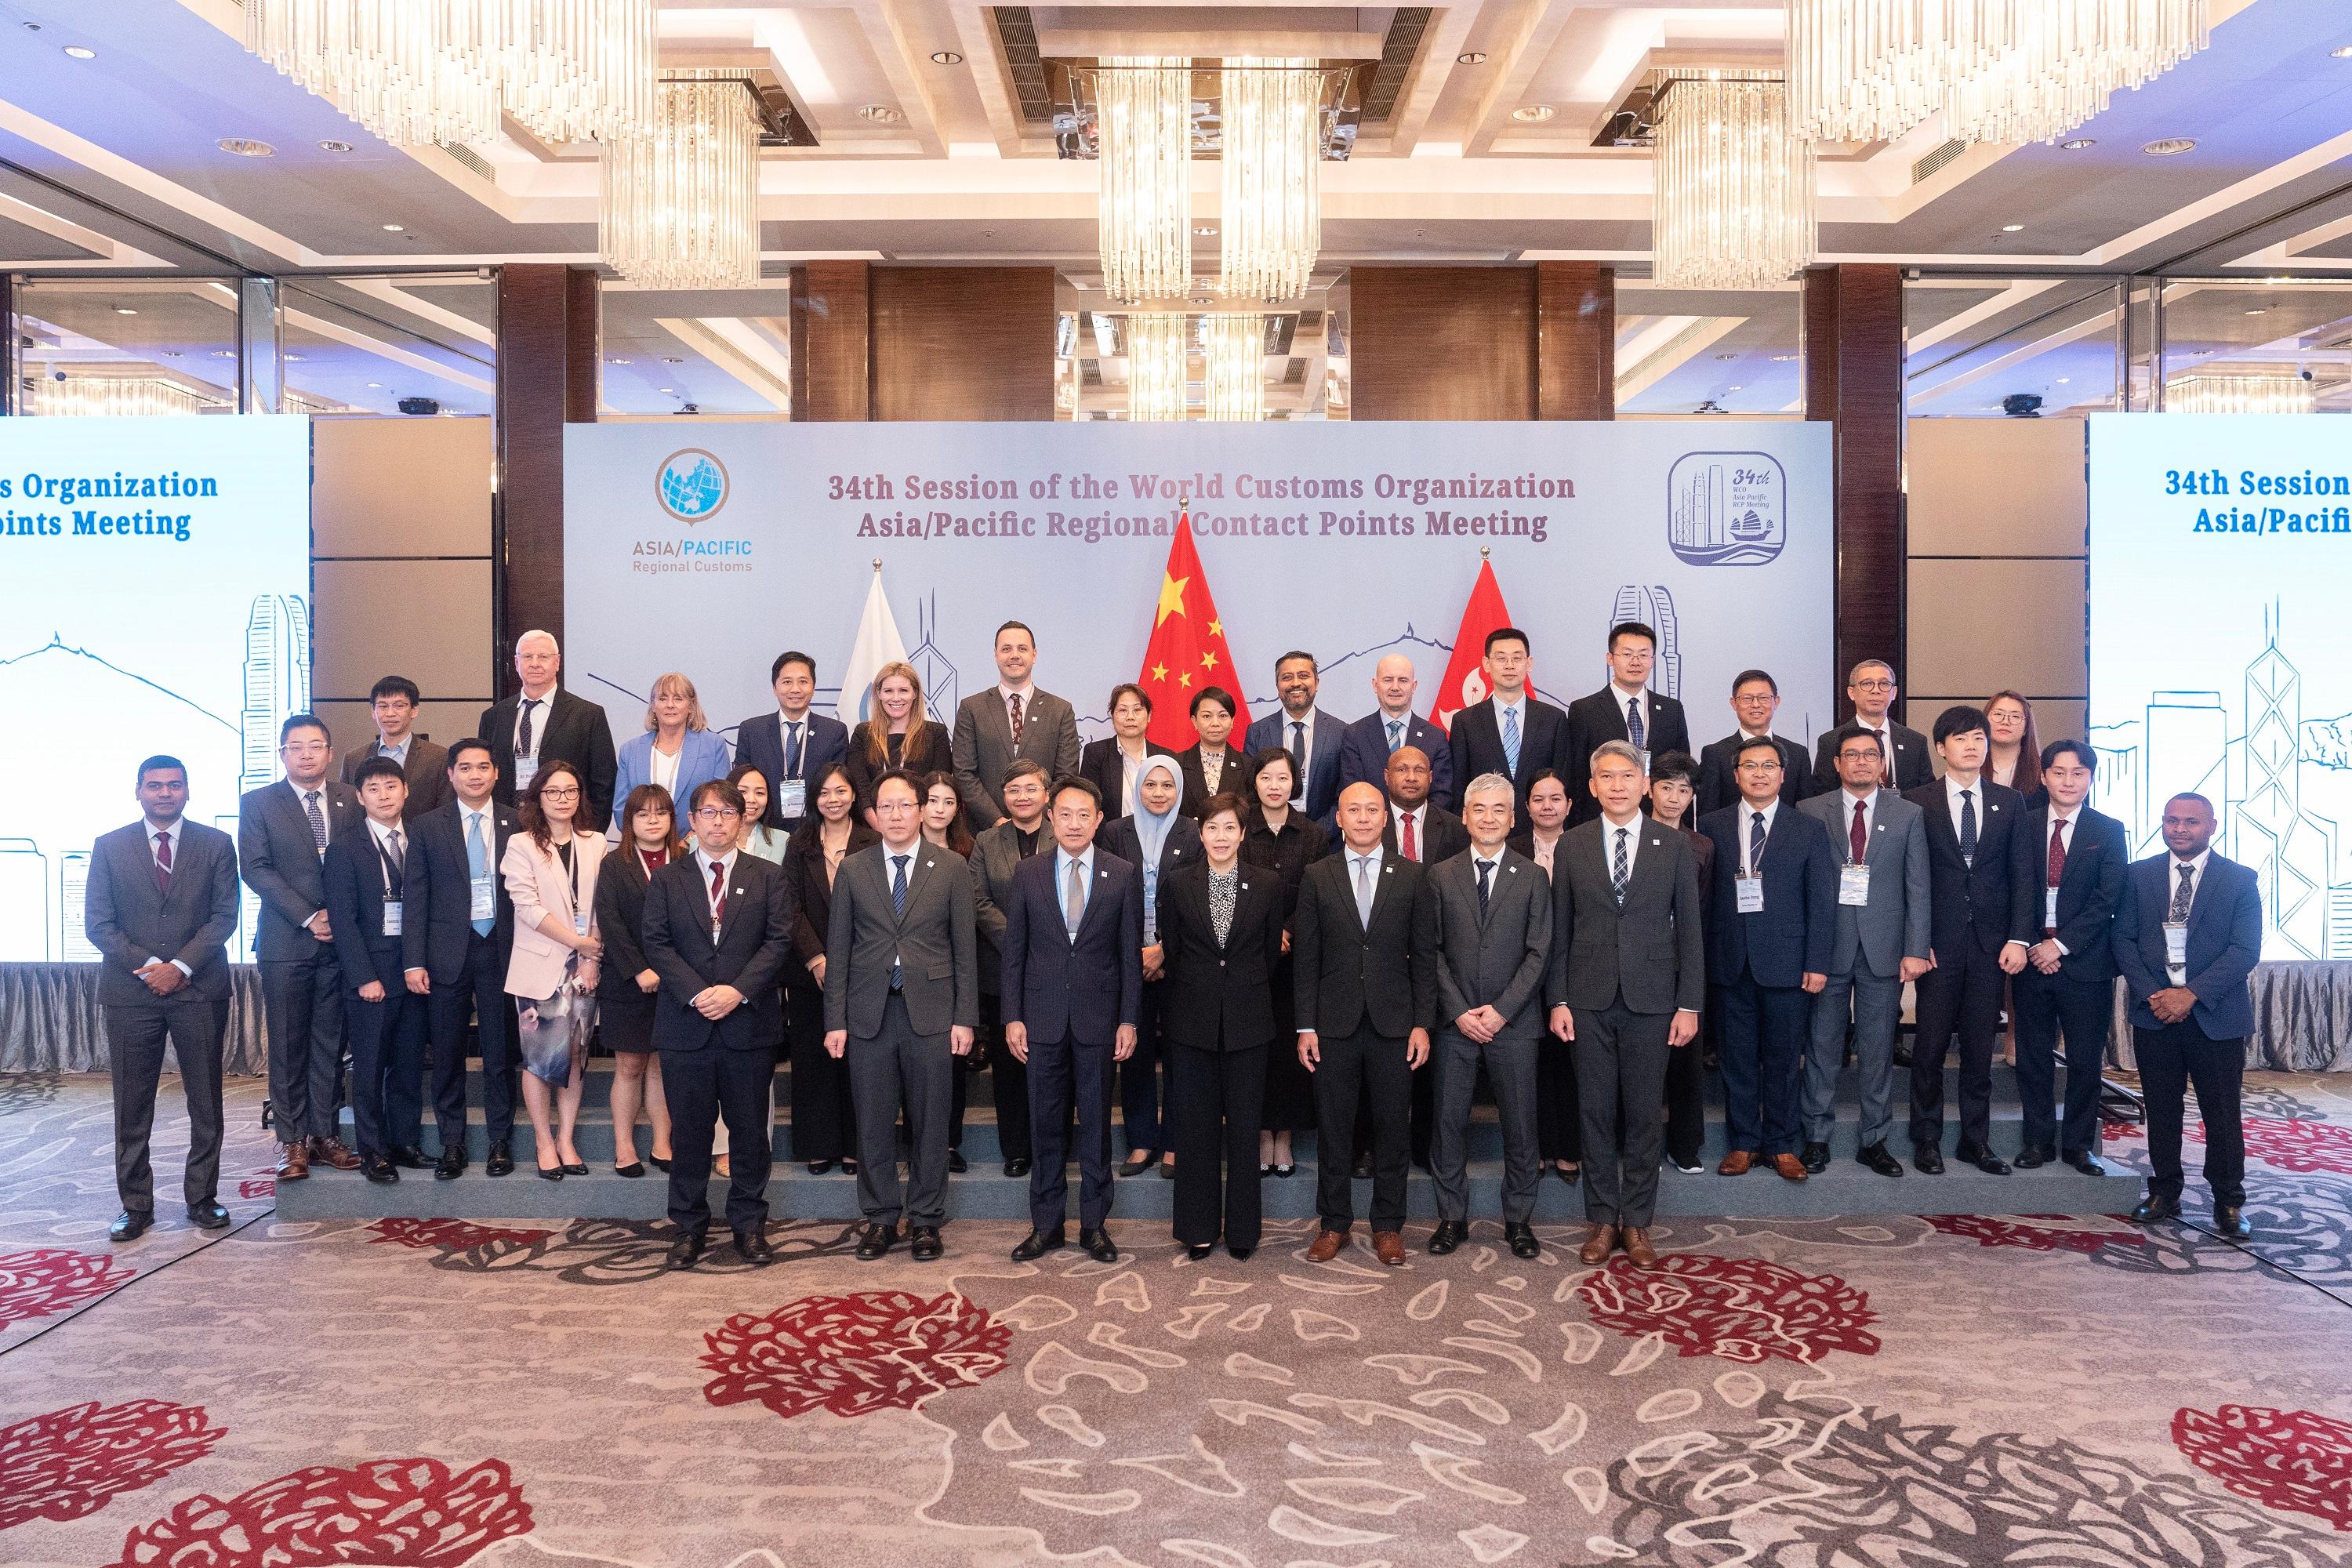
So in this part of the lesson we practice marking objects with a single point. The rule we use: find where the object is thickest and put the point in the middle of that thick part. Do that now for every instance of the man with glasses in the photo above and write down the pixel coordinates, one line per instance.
(1755, 698)
(1871, 690)
(1625, 709)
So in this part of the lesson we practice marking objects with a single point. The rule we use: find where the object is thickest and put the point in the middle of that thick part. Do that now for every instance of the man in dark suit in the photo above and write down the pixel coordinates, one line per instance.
(1312, 737)
(1770, 929)
(423, 766)
(1512, 733)
(792, 744)
(1363, 945)
(282, 833)
(160, 907)
(456, 933)
(2068, 982)
(1627, 980)
(542, 723)
(1493, 914)
(1755, 698)
(901, 1002)
(996, 854)
(2187, 933)
(1871, 688)
(1625, 709)
(718, 929)
(1015, 718)
(1371, 741)
(366, 876)
(1072, 992)
(1418, 827)
(1982, 889)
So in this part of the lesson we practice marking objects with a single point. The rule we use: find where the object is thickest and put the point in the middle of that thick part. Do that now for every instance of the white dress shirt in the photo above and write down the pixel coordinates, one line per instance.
(2060, 821)
(172, 833)
(381, 833)
(1619, 696)
(523, 704)
(2179, 973)
(1747, 820)
(1632, 828)
(1976, 789)
(1847, 801)
(664, 771)
(702, 859)
(1420, 814)
(303, 803)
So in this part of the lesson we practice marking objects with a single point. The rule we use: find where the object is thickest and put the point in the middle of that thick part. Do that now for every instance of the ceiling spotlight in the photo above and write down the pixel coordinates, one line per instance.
(880, 113)
(667, 389)
(616, 362)
(2065, 379)
(395, 229)
(671, 359)
(76, 51)
(1205, 230)
(246, 147)
(334, 146)
(1472, 58)
(125, 310)
(947, 58)
(2012, 228)
(1782, 358)
(2343, 54)
(291, 359)
(375, 386)
(1533, 113)
(1726, 356)
(2259, 311)
(1731, 389)
(2077, 144)
(224, 354)
(1200, 298)
(2170, 147)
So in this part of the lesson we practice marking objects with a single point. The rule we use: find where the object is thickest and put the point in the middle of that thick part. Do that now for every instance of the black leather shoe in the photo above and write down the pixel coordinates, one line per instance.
(1099, 1246)
(686, 1250)
(1363, 1172)
(2230, 1222)
(2154, 1210)
(208, 1216)
(1446, 1236)
(2087, 1164)
(1984, 1159)
(547, 1173)
(753, 1246)
(575, 1169)
(1900, 1056)
(1138, 1162)
(1815, 1157)
(1199, 1251)
(128, 1225)
(657, 1162)
(957, 1163)
(1876, 1158)
(500, 1163)
(2032, 1157)
(1017, 1167)
(450, 1166)
(633, 1170)
(923, 1243)
(1927, 1161)
(1239, 1254)
(1038, 1243)
(819, 1167)
(408, 1157)
(1522, 1238)
(875, 1241)
(849, 1165)
(376, 1168)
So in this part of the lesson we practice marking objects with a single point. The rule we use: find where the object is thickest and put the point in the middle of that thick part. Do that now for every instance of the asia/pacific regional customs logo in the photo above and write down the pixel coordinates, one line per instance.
(691, 485)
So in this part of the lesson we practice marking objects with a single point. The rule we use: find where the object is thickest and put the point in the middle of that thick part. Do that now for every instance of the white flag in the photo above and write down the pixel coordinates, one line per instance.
(877, 644)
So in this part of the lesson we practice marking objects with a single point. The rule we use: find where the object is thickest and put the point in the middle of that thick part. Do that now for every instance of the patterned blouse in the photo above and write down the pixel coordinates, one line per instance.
(1222, 893)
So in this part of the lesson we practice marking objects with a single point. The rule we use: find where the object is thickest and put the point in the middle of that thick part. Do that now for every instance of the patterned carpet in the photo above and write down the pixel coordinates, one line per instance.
(1861, 1393)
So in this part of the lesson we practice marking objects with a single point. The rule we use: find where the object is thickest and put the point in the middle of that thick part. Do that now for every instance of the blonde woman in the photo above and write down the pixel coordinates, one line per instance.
(677, 751)
(898, 733)
(551, 877)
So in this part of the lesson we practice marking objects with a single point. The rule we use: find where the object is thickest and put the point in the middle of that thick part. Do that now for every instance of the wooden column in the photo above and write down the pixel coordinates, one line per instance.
(1442, 342)
(546, 378)
(1575, 326)
(1853, 378)
(962, 342)
(833, 370)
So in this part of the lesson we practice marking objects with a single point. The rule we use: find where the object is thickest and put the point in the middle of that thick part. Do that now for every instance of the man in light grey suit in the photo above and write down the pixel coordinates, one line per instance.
(1011, 719)
(1494, 913)
(1880, 840)
(901, 1000)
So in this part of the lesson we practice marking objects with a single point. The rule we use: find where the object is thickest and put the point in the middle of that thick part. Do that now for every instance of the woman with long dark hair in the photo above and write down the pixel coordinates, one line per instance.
(550, 877)
(1674, 802)
(1277, 837)
(2014, 755)
(825, 1125)
(626, 984)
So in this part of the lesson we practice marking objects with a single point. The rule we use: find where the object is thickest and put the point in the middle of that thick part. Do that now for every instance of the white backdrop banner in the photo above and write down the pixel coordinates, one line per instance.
(709, 548)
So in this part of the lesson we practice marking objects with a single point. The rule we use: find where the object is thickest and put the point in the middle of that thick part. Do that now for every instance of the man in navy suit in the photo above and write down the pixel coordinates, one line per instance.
(1313, 737)
(1771, 928)
(2068, 982)
(792, 743)
(366, 875)
(2188, 934)
(1364, 750)
(1071, 994)
(1625, 709)
(1755, 698)
(1511, 733)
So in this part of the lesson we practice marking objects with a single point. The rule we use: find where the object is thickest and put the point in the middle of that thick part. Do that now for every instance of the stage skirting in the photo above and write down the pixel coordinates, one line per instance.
(50, 1019)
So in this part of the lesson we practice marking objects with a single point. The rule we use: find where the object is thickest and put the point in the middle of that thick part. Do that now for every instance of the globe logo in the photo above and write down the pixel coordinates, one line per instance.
(691, 485)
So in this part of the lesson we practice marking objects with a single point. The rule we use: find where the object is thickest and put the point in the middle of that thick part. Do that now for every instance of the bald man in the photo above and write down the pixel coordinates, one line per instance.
(540, 722)
(1365, 749)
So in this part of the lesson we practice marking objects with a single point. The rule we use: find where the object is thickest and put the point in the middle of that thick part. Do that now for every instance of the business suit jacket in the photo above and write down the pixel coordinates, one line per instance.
(128, 921)
(1443, 835)
(1795, 933)
(538, 885)
(1475, 738)
(1221, 998)
(1318, 794)
(1364, 754)
(1099, 765)
(1652, 952)
(2089, 889)
(1601, 716)
(701, 757)
(356, 885)
(754, 937)
(426, 770)
(983, 748)
(1501, 960)
(2225, 941)
(995, 856)
(1996, 901)
(1719, 779)
(1080, 989)
(279, 861)
(1347, 976)
(759, 740)
(438, 905)
(929, 754)
(1894, 925)
(570, 728)
(1182, 847)
(932, 944)
(1235, 779)
(1913, 764)
(811, 896)
(621, 883)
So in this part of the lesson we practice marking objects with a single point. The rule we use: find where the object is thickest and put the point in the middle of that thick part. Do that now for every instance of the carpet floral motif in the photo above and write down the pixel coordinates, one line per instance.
(48, 1280)
(2292, 1459)
(876, 1350)
(2038, 1232)
(1740, 1309)
(72, 1462)
(393, 1513)
(453, 1235)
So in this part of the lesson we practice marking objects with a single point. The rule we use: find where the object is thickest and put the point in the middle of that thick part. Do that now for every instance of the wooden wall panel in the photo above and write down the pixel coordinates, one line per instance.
(428, 620)
(400, 487)
(832, 337)
(1996, 487)
(1442, 342)
(1853, 377)
(962, 342)
(1576, 317)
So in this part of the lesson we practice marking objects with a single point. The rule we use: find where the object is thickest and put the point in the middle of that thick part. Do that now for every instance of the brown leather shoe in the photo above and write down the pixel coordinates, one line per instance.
(333, 1153)
(1326, 1246)
(1389, 1246)
(1600, 1241)
(1636, 1241)
(1791, 1168)
(1736, 1164)
(293, 1162)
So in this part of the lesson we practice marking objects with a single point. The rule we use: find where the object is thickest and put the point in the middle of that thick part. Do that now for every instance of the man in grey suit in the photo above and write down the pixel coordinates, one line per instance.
(1011, 719)
(901, 1000)
(1627, 979)
(160, 907)
(282, 833)
(1881, 945)
(1494, 913)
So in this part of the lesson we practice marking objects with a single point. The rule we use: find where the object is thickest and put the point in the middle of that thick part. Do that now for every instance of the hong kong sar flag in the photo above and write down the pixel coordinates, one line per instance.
(1188, 648)
(1465, 673)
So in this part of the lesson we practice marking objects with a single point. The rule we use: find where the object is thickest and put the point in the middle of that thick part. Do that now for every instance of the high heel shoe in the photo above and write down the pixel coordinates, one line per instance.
(848, 1166)
(659, 1162)
(1286, 1170)
(819, 1167)
(1200, 1251)
(575, 1169)
(550, 1172)
(633, 1168)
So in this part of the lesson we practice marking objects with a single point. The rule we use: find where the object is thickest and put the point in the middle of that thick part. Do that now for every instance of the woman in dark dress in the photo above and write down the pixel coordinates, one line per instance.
(1560, 1139)
(897, 733)
(626, 984)
(1674, 802)
(825, 1128)
(1283, 839)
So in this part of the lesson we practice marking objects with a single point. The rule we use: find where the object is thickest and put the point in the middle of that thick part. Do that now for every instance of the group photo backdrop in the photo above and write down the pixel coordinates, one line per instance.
(710, 550)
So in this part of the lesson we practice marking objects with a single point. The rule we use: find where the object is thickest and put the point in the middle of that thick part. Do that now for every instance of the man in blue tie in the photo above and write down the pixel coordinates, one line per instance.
(1512, 733)
(1652, 722)
(1364, 750)
(792, 744)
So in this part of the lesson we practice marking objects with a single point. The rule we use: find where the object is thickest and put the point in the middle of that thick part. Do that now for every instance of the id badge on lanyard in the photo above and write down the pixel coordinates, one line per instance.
(526, 769)
(1750, 891)
(1854, 885)
(2049, 908)
(392, 913)
(2176, 945)
(486, 898)
(792, 799)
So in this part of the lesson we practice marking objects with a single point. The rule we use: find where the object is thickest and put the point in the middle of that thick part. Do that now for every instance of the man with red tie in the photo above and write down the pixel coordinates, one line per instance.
(2069, 980)
(1419, 829)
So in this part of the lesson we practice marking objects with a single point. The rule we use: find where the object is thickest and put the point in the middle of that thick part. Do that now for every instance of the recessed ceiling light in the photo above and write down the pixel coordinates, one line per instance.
(125, 310)
(2170, 147)
(1726, 356)
(616, 362)
(334, 146)
(1731, 389)
(1533, 113)
(1200, 298)
(2065, 379)
(669, 389)
(76, 52)
(291, 359)
(880, 113)
(246, 147)
(173, 353)
(2077, 144)
(224, 354)
(2343, 54)
(1782, 358)
(671, 359)
(395, 229)
(947, 58)
(1473, 58)
(1205, 230)
(2259, 311)
(375, 386)
(2012, 228)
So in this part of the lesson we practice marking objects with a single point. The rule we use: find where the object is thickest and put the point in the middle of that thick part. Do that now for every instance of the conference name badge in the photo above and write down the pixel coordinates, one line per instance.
(486, 899)
(1854, 885)
(579, 924)
(2049, 908)
(392, 912)
(791, 798)
(526, 769)
(2176, 945)
(1750, 891)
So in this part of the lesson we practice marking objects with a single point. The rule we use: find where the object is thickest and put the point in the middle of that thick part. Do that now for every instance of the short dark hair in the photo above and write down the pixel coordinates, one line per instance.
(1010, 626)
(904, 776)
(1674, 766)
(1217, 694)
(1849, 731)
(1223, 800)
(791, 656)
(1765, 743)
(1958, 720)
(161, 760)
(719, 790)
(1745, 676)
(1028, 767)
(1069, 782)
(304, 721)
(2074, 748)
(1543, 774)
(378, 767)
(459, 747)
(395, 686)
(1296, 653)
(1128, 687)
(1266, 757)
(1506, 633)
(1630, 629)
(2192, 794)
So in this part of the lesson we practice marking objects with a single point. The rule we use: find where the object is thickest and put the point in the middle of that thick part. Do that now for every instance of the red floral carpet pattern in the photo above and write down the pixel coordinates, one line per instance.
(453, 1235)
(1740, 1309)
(2292, 1459)
(2290, 1145)
(852, 1356)
(394, 1513)
(74, 1461)
(2039, 1232)
(51, 1279)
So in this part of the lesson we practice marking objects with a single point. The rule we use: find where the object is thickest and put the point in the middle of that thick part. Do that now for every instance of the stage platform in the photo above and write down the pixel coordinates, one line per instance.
(986, 1193)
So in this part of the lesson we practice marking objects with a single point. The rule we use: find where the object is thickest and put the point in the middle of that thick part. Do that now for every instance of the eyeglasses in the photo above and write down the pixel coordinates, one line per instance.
(718, 813)
(1878, 684)
(573, 794)
(1760, 765)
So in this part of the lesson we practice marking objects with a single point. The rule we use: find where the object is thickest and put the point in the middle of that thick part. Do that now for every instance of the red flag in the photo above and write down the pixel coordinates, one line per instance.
(1188, 649)
(1466, 672)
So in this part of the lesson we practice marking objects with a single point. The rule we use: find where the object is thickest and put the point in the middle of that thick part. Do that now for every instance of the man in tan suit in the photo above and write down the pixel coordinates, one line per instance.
(1011, 719)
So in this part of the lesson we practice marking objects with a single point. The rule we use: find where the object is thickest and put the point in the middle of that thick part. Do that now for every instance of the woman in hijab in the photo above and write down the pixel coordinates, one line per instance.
(1156, 840)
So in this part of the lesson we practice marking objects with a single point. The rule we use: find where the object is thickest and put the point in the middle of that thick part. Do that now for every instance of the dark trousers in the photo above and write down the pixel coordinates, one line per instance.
(1065, 1076)
(1011, 1086)
(1421, 1112)
(302, 1005)
(2171, 1059)
(1560, 1123)
(2048, 1006)
(1363, 1073)
(1687, 1096)
(1147, 1080)
(1216, 1111)
(823, 1110)
(896, 1066)
(480, 987)
(136, 1037)
(1763, 1055)
(387, 1069)
(1960, 996)
(1620, 1071)
(702, 1086)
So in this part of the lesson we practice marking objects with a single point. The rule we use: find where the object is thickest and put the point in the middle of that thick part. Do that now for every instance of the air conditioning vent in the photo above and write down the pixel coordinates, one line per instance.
(1927, 167)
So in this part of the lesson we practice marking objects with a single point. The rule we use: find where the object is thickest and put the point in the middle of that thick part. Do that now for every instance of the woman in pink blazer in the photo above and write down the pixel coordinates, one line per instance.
(550, 876)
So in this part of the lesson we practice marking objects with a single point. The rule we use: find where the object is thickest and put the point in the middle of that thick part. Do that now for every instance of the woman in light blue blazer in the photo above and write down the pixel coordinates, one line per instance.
(677, 751)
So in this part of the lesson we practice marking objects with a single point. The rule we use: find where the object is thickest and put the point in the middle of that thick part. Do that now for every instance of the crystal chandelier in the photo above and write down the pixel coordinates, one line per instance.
(681, 199)
(2239, 394)
(1733, 199)
(1273, 185)
(119, 395)
(1232, 349)
(1155, 366)
(1144, 113)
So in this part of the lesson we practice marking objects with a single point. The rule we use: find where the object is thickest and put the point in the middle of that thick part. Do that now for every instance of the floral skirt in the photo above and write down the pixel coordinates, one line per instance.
(551, 1034)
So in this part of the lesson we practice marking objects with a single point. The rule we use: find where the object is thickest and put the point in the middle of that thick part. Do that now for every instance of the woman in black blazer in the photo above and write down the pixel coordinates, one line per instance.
(1103, 763)
(825, 1126)
(1281, 837)
(1674, 802)
(900, 733)
(1158, 840)
(1214, 709)
(1221, 935)
(625, 982)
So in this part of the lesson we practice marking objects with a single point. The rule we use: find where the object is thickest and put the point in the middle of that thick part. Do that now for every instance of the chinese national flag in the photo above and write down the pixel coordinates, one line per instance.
(1188, 649)
(1465, 673)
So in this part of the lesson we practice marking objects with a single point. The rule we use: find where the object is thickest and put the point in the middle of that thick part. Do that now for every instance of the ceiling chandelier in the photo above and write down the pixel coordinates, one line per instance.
(1232, 349)
(1144, 105)
(1733, 199)
(1273, 183)
(2212, 394)
(120, 394)
(681, 198)
(1155, 350)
